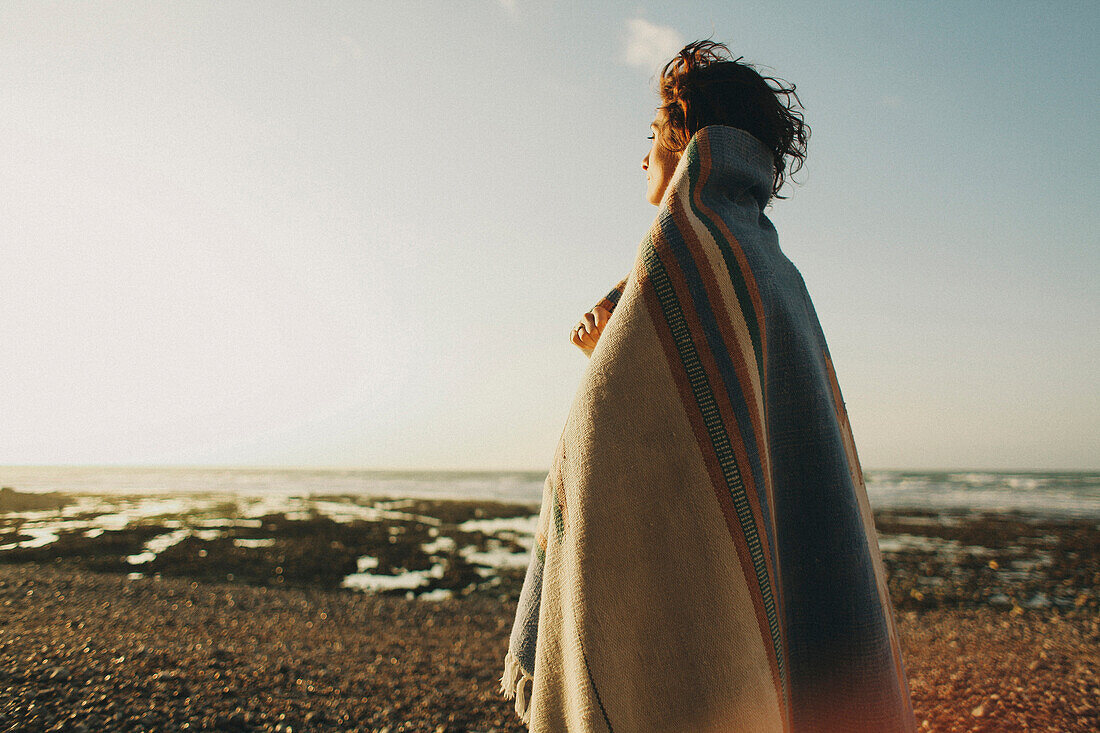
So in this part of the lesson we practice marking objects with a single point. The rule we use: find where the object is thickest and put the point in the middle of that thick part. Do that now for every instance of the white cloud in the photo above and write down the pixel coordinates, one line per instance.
(648, 45)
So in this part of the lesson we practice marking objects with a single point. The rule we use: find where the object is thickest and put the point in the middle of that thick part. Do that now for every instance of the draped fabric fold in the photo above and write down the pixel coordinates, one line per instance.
(705, 556)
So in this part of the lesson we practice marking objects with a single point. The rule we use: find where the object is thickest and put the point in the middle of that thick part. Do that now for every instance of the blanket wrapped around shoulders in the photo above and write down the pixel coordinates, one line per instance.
(706, 559)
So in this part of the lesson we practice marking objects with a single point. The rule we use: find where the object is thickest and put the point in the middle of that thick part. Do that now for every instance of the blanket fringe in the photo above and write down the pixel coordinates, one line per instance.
(517, 683)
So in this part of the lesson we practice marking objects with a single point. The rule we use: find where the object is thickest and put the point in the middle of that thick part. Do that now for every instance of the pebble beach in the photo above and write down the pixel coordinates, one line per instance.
(271, 620)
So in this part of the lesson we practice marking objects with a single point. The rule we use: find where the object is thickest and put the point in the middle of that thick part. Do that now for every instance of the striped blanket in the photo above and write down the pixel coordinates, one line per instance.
(705, 558)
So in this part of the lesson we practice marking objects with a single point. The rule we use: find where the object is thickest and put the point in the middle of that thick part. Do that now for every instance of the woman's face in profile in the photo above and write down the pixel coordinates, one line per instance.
(658, 164)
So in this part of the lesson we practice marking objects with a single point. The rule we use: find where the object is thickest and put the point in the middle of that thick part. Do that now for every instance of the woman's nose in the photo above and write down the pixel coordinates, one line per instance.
(645, 162)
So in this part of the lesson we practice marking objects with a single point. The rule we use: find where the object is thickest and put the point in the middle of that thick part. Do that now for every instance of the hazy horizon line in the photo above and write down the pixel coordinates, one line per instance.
(375, 469)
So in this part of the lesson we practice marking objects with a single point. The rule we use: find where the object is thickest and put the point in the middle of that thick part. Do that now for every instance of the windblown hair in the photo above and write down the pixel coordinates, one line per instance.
(704, 85)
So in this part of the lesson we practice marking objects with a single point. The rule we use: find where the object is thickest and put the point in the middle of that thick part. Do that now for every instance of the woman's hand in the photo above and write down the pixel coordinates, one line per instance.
(587, 332)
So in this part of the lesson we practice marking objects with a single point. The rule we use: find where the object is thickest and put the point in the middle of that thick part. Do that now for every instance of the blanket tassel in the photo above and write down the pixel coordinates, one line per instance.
(517, 683)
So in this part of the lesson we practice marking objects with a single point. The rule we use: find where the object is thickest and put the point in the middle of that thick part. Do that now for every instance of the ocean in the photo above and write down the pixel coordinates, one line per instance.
(1041, 494)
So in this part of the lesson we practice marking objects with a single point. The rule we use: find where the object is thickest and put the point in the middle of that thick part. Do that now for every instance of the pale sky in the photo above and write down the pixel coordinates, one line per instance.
(357, 234)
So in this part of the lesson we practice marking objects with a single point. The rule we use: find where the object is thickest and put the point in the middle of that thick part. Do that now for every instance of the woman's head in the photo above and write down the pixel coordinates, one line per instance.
(659, 162)
(704, 85)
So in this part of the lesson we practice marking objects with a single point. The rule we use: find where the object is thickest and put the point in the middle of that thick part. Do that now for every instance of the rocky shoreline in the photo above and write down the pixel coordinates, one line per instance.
(250, 623)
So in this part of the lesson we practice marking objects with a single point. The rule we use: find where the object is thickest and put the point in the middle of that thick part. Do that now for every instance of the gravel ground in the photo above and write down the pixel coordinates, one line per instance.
(82, 651)
(991, 670)
(88, 651)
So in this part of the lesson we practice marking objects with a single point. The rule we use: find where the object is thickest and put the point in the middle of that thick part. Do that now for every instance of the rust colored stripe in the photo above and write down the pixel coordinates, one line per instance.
(706, 357)
(718, 481)
(868, 518)
(756, 312)
(738, 253)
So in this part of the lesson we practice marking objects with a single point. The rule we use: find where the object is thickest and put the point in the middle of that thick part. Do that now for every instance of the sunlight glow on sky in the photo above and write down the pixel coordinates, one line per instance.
(357, 234)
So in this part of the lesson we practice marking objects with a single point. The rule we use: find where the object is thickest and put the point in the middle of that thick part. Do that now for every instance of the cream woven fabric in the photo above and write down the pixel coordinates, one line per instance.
(705, 557)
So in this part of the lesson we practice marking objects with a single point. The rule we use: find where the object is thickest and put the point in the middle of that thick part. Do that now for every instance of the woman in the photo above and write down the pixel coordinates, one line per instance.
(705, 557)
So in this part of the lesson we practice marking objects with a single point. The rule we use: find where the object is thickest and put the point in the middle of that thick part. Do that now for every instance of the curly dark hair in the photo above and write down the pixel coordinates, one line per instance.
(704, 85)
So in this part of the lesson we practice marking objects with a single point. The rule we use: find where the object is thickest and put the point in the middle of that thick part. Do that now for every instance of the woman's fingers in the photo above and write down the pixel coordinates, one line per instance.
(580, 338)
(586, 333)
(588, 338)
